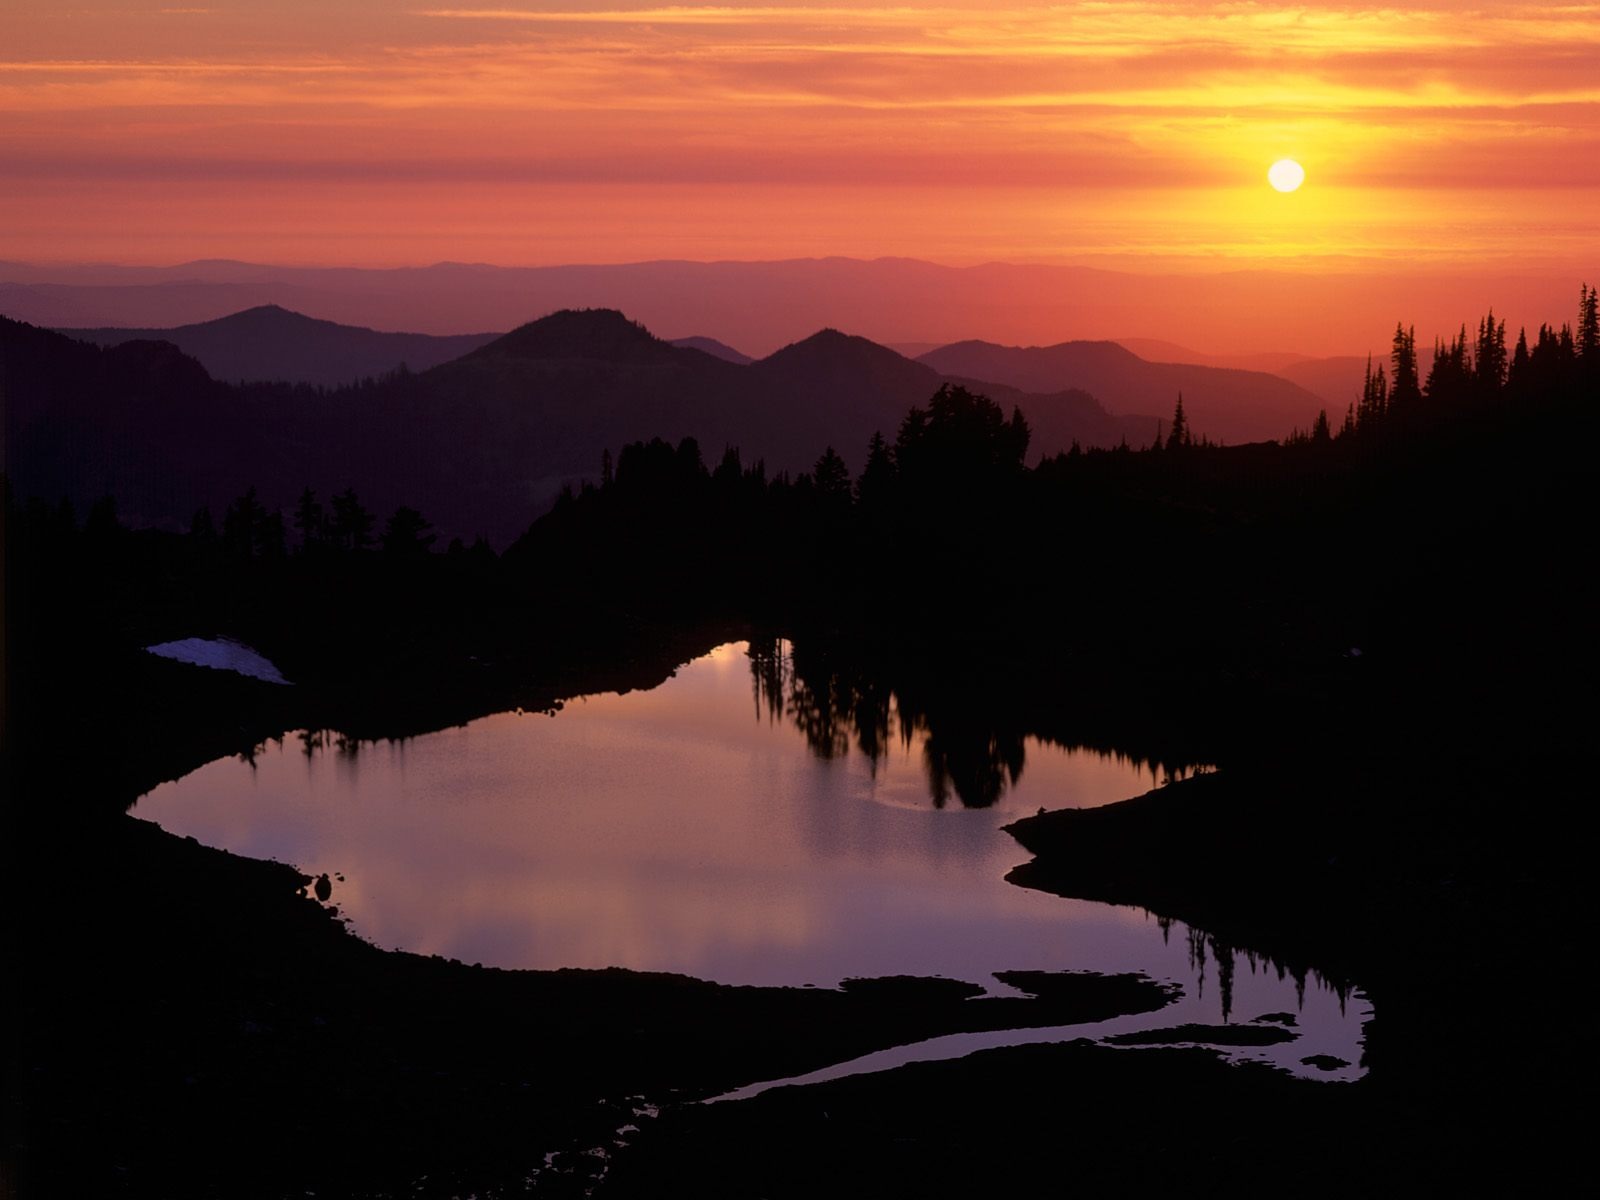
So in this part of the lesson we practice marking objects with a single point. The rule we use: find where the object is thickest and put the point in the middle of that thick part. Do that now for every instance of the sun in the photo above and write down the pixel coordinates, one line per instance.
(1286, 175)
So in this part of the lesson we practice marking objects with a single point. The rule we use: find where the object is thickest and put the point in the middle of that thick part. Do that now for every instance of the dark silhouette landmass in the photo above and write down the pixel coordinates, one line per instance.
(1380, 628)
(482, 443)
(270, 343)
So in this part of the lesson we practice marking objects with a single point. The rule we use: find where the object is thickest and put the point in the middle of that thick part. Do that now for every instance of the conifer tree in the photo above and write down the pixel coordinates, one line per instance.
(1517, 374)
(831, 475)
(877, 477)
(1374, 397)
(1180, 427)
(1490, 363)
(1320, 434)
(1406, 387)
(1588, 339)
(352, 524)
(408, 533)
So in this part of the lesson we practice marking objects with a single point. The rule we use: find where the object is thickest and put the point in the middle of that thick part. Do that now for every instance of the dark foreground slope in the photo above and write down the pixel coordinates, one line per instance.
(1410, 814)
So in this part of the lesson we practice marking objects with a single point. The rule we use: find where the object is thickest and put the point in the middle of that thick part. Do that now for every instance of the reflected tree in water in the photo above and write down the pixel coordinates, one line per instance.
(976, 765)
(837, 703)
(838, 698)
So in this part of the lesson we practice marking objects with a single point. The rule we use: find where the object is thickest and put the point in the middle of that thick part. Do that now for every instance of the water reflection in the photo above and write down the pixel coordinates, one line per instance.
(674, 830)
(839, 702)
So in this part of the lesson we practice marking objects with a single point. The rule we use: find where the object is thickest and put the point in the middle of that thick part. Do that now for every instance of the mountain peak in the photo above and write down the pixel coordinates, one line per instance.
(592, 333)
(264, 316)
(831, 345)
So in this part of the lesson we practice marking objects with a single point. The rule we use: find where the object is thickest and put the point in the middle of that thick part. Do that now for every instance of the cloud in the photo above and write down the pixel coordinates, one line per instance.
(1159, 98)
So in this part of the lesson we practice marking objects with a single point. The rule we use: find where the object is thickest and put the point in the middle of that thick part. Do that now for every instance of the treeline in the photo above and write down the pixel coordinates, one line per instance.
(344, 526)
(1176, 557)
(1471, 371)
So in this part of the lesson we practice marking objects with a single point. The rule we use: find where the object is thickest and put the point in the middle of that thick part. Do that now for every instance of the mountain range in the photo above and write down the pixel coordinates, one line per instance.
(761, 306)
(270, 342)
(1222, 403)
(480, 443)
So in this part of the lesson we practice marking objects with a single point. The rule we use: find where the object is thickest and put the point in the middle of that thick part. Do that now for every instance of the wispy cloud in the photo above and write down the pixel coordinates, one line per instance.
(1166, 98)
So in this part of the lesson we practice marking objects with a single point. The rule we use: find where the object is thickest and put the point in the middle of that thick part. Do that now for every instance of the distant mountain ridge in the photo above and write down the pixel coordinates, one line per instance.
(711, 346)
(481, 443)
(271, 343)
(1336, 380)
(759, 306)
(1221, 403)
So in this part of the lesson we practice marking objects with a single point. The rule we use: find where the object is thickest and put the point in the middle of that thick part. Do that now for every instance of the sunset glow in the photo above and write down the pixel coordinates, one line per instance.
(375, 132)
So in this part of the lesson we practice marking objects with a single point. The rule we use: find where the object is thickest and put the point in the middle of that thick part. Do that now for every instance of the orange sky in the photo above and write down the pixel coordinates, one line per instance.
(1129, 132)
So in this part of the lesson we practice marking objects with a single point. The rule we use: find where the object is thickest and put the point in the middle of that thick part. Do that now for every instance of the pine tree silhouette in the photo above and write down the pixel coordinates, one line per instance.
(1180, 427)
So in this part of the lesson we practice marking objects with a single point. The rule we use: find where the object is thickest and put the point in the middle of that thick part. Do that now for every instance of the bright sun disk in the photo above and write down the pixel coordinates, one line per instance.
(1286, 174)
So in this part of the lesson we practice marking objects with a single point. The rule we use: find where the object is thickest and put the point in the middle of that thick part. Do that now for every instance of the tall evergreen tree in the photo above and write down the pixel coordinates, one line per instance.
(831, 476)
(1587, 342)
(1450, 379)
(1374, 397)
(1320, 433)
(1490, 360)
(1180, 427)
(877, 477)
(352, 524)
(1406, 386)
(1517, 374)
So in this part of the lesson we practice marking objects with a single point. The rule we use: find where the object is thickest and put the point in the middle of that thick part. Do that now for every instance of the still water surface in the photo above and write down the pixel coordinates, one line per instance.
(695, 828)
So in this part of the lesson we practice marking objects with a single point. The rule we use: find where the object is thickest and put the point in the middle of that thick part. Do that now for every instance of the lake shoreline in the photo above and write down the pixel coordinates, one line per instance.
(196, 987)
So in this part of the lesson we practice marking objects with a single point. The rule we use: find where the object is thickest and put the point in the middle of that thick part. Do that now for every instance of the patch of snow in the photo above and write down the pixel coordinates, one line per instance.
(222, 654)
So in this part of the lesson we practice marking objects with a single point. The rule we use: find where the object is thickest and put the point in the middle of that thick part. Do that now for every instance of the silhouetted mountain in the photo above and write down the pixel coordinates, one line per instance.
(841, 372)
(1224, 405)
(580, 335)
(714, 348)
(481, 444)
(759, 306)
(1336, 381)
(272, 343)
(857, 384)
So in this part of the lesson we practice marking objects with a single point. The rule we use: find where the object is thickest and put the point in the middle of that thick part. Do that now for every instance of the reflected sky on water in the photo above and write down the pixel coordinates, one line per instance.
(696, 828)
